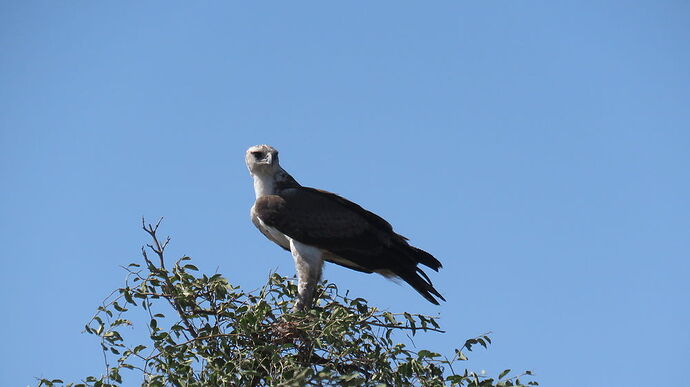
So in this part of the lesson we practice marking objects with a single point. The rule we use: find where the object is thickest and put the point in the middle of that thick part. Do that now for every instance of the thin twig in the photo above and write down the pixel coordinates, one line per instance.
(159, 249)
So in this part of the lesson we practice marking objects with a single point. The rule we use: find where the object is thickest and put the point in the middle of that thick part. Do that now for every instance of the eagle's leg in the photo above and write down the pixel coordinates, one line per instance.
(308, 264)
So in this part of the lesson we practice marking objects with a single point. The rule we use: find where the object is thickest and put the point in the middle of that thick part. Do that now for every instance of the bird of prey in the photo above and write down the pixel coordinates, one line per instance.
(317, 226)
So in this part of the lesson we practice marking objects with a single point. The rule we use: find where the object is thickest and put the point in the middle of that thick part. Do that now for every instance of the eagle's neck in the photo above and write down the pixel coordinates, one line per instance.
(273, 184)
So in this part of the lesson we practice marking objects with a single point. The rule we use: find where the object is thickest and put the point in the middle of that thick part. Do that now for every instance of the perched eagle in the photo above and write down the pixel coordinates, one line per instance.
(317, 226)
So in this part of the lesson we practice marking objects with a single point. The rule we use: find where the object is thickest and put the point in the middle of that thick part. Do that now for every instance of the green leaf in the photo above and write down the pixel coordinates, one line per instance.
(128, 296)
(504, 373)
(409, 318)
(390, 318)
(115, 375)
(118, 307)
(469, 343)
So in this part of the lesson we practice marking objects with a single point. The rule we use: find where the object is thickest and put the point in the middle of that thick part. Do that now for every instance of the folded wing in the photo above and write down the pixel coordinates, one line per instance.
(352, 236)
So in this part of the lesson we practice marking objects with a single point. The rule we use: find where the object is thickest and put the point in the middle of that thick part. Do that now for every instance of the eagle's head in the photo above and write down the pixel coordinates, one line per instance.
(262, 160)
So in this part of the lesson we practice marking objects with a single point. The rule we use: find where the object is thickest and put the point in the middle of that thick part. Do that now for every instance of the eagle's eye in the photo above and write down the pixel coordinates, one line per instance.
(258, 155)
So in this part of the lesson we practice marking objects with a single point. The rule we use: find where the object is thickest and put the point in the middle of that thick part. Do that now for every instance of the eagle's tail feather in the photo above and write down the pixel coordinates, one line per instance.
(407, 258)
(426, 259)
(415, 255)
(400, 259)
(422, 286)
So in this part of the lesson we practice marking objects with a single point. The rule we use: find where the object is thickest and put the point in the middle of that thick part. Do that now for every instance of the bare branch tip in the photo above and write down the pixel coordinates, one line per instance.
(158, 223)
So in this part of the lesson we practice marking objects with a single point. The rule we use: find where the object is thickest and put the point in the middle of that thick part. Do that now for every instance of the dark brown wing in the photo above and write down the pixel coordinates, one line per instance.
(323, 219)
(330, 222)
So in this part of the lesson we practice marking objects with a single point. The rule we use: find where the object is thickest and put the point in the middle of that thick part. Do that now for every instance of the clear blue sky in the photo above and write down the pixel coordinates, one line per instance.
(541, 151)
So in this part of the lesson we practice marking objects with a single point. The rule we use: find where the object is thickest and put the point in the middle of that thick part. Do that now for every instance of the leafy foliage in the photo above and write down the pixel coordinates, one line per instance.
(222, 336)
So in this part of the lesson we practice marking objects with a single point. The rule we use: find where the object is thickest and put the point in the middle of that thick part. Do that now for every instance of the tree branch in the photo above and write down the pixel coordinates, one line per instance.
(159, 249)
